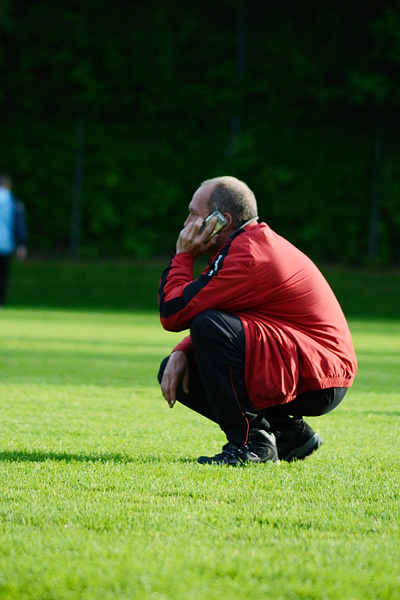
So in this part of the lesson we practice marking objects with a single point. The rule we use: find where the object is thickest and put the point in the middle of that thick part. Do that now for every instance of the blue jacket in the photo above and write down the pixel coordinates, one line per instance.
(12, 222)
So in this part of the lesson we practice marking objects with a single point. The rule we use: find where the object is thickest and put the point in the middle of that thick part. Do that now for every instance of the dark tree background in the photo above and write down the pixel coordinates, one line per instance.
(113, 112)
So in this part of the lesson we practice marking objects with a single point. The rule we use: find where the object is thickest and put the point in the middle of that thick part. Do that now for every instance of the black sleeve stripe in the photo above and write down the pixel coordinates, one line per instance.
(167, 309)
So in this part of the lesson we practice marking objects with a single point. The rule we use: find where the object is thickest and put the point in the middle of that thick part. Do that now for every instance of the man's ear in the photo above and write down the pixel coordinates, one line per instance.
(228, 217)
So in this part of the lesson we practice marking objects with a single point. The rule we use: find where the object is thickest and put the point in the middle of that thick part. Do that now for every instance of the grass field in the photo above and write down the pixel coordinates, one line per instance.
(102, 498)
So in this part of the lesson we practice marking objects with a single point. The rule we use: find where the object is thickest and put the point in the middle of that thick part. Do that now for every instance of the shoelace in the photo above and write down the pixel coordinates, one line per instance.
(229, 450)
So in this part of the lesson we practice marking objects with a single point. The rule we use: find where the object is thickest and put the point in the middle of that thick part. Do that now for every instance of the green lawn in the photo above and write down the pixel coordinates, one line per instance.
(102, 498)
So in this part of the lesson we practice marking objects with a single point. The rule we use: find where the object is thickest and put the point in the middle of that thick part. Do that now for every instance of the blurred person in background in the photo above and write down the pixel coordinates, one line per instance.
(13, 232)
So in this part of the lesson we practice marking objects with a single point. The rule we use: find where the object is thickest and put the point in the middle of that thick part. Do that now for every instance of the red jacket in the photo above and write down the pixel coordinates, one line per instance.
(297, 338)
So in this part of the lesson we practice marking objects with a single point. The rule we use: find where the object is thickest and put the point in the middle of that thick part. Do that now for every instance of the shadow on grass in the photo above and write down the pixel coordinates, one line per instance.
(39, 456)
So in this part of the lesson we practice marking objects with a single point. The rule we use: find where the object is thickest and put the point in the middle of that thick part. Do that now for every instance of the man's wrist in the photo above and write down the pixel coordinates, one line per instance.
(184, 253)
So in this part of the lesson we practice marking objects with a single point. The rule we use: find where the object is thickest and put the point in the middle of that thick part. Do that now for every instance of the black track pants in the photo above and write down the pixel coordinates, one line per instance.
(5, 260)
(217, 387)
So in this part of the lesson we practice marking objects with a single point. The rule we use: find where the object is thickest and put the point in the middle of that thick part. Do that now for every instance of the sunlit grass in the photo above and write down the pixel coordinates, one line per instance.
(101, 495)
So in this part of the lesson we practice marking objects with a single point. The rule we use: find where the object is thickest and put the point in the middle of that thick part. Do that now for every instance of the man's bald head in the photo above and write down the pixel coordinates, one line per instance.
(233, 196)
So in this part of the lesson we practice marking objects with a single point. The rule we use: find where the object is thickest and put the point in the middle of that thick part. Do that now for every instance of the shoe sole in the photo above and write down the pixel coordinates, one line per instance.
(204, 460)
(311, 445)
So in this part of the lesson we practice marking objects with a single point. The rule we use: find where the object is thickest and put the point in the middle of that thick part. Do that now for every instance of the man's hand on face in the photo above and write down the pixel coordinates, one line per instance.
(192, 240)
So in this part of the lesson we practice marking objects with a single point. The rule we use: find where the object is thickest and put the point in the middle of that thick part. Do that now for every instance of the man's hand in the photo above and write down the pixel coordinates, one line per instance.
(22, 252)
(193, 241)
(177, 370)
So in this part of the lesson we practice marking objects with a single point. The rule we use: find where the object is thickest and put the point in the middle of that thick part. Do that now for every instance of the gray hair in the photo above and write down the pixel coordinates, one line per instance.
(234, 197)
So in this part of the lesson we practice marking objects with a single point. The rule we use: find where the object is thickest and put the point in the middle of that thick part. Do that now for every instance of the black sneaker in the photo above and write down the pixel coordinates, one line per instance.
(294, 438)
(232, 455)
(263, 443)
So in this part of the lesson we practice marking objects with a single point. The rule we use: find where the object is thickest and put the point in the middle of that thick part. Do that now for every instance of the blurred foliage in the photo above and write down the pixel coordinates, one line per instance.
(293, 97)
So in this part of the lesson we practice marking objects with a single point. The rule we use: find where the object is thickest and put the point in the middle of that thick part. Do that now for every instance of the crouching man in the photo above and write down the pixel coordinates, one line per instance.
(268, 343)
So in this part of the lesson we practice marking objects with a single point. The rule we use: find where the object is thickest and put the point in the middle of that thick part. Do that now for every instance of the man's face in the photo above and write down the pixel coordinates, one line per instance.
(199, 206)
